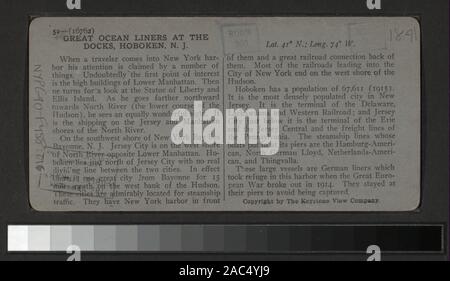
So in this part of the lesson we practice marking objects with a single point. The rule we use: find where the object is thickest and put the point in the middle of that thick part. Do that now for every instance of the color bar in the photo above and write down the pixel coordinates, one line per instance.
(197, 238)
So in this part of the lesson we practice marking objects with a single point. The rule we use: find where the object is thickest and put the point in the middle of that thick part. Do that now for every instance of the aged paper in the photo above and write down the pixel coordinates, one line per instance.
(136, 114)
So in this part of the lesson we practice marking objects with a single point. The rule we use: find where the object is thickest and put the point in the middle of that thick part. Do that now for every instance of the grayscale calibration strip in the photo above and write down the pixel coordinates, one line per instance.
(346, 238)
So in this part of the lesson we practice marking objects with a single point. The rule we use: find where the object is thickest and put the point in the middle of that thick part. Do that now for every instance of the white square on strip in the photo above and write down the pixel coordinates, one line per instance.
(17, 238)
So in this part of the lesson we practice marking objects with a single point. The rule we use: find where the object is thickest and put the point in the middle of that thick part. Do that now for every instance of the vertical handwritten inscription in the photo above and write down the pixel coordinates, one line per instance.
(40, 125)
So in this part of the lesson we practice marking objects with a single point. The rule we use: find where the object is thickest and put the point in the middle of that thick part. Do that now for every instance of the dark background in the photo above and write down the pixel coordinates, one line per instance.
(14, 206)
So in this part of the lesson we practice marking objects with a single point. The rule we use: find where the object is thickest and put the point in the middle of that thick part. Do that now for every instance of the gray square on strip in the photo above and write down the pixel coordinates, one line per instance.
(170, 236)
(149, 238)
(61, 237)
(127, 238)
(105, 237)
(83, 237)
